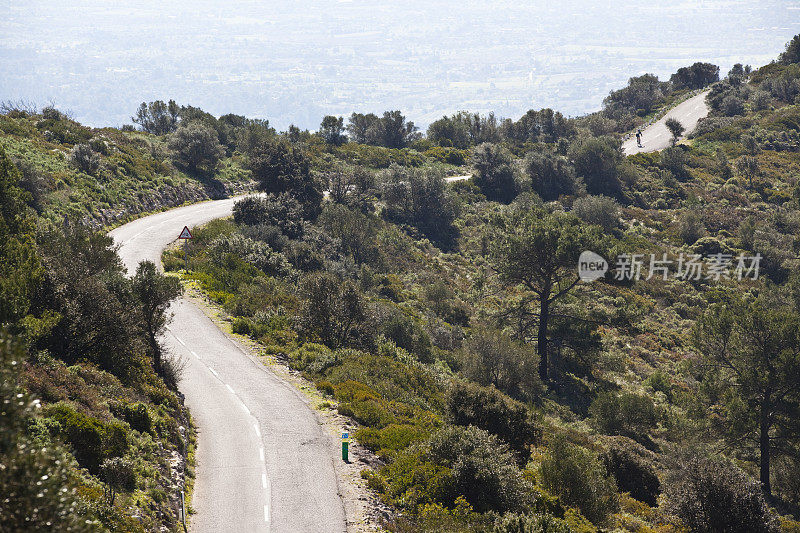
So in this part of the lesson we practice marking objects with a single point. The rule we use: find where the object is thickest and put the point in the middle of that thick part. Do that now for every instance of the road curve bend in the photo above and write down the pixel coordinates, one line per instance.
(657, 137)
(264, 463)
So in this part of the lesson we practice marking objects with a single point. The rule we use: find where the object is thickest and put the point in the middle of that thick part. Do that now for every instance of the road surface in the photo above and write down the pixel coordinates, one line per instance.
(657, 137)
(263, 461)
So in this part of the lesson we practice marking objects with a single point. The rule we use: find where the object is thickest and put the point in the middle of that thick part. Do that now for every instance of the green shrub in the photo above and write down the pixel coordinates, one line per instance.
(378, 156)
(539, 523)
(576, 476)
(119, 474)
(256, 253)
(196, 146)
(85, 158)
(495, 172)
(660, 382)
(91, 440)
(599, 210)
(406, 333)
(413, 480)
(482, 468)
(457, 461)
(371, 413)
(137, 415)
(308, 354)
(391, 438)
(281, 211)
(674, 160)
(493, 358)
(691, 227)
(325, 387)
(627, 414)
(451, 156)
(332, 310)
(489, 409)
(716, 497)
(625, 460)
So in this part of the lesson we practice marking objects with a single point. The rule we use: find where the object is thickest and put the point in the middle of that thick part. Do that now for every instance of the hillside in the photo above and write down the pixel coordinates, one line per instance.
(493, 389)
(117, 176)
(405, 302)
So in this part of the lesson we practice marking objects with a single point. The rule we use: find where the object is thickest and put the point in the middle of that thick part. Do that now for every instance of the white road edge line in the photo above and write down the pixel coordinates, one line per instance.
(261, 453)
(267, 495)
(213, 371)
(258, 431)
(229, 388)
(179, 340)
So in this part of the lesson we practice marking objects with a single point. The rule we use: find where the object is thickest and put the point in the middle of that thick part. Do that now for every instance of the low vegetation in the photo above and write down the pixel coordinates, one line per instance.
(499, 392)
(94, 436)
(496, 390)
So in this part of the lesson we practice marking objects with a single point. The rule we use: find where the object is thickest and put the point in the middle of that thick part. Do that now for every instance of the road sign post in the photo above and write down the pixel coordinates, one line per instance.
(186, 235)
(345, 447)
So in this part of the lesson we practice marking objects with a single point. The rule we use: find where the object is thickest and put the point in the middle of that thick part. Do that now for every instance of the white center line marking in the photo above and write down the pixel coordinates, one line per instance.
(258, 431)
(213, 371)
(261, 453)
(194, 354)
(228, 387)
(266, 513)
(263, 481)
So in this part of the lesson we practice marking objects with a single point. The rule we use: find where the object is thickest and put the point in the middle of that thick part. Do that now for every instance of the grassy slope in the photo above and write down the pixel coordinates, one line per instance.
(135, 176)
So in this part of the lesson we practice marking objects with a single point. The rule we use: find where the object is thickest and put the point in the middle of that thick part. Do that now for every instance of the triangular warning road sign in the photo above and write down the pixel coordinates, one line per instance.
(185, 234)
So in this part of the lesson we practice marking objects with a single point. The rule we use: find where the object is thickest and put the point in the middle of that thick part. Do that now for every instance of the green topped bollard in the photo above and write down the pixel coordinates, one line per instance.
(345, 447)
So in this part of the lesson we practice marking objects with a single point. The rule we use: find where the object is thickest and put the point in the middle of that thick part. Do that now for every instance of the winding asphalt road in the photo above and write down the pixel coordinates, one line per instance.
(264, 462)
(657, 137)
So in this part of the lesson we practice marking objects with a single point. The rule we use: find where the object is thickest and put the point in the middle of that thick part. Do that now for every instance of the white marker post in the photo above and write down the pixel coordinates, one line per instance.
(186, 235)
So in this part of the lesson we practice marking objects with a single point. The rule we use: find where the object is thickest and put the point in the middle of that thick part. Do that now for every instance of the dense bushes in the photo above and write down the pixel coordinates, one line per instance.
(92, 440)
(451, 156)
(258, 254)
(332, 310)
(598, 161)
(493, 358)
(598, 210)
(196, 146)
(714, 496)
(458, 461)
(641, 95)
(495, 173)
(280, 166)
(120, 475)
(85, 158)
(514, 523)
(281, 211)
(137, 415)
(695, 76)
(420, 199)
(37, 482)
(627, 414)
(578, 477)
(552, 175)
(628, 463)
(487, 408)
(380, 157)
